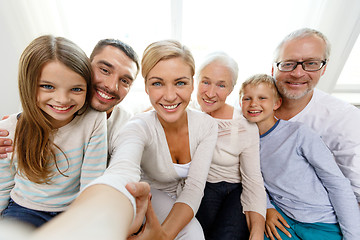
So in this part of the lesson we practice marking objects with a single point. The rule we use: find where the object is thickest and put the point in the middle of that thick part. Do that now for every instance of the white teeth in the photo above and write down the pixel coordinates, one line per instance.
(296, 83)
(61, 108)
(103, 95)
(254, 111)
(208, 101)
(170, 107)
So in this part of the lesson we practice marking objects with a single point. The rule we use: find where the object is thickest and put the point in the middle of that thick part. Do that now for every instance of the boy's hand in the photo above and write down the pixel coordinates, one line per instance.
(5, 144)
(273, 220)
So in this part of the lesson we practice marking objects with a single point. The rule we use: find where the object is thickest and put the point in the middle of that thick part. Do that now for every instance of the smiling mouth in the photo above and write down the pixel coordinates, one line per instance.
(255, 112)
(170, 107)
(296, 83)
(209, 101)
(104, 95)
(58, 108)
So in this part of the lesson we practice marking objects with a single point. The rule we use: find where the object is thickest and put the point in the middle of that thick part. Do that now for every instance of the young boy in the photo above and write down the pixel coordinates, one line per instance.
(307, 192)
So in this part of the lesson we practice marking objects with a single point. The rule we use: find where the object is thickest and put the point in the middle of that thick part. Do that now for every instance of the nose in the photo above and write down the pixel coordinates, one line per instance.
(112, 84)
(62, 97)
(211, 92)
(253, 102)
(170, 94)
(298, 71)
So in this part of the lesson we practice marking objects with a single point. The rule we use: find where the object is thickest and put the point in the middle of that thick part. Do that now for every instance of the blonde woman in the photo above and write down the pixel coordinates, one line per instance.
(172, 146)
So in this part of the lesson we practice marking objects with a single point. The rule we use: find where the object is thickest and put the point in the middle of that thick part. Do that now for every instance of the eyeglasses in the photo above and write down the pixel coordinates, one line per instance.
(309, 65)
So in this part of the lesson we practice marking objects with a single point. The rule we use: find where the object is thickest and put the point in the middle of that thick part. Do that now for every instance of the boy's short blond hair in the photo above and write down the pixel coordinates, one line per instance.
(258, 79)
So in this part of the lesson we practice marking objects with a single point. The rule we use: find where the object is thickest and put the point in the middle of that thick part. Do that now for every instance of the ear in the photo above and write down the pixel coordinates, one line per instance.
(277, 104)
(323, 69)
(146, 89)
(272, 71)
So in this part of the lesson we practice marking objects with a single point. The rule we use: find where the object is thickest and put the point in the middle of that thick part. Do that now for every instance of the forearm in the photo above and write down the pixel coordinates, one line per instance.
(256, 224)
(179, 216)
(100, 212)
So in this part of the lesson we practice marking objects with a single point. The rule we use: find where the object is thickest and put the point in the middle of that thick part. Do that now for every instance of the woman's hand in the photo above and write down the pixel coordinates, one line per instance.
(141, 192)
(152, 228)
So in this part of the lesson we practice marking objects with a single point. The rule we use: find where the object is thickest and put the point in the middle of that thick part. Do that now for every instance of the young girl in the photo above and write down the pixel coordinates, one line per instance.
(60, 143)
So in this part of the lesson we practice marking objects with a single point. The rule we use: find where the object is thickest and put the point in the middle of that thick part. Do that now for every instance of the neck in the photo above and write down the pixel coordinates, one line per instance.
(265, 125)
(291, 107)
(225, 112)
(174, 126)
(108, 112)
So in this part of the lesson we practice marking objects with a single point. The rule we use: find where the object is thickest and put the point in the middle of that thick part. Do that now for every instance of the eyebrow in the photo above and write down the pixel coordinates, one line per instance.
(177, 79)
(207, 78)
(42, 81)
(106, 63)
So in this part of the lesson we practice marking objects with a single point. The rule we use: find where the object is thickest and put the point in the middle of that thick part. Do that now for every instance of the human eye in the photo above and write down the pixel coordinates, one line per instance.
(46, 86)
(245, 99)
(205, 82)
(222, 85)
(180, 83)
(156, 84)
(125, 81)
(77, 89)
(287, 64)
(104, 70)
(312, 63)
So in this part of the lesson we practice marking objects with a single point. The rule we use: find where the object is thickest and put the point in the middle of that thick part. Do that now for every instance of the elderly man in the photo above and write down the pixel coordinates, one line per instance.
(300, 60)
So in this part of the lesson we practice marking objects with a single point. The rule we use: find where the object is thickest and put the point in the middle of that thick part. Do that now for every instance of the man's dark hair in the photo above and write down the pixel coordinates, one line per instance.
(129, 51)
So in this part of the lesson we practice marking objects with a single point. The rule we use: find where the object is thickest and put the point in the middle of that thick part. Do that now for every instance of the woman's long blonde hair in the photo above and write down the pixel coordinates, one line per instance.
(33, 140)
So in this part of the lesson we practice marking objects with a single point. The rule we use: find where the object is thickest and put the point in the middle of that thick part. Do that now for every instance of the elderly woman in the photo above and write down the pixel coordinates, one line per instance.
(234, 184)
(170, 147)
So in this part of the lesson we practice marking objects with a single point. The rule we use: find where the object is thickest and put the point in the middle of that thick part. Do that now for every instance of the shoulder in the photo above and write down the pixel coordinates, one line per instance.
(330, 103)
(11, 119)
(90, 116)
(200, 116)
(120, 114)
(147, 121)
(249, 126)
(10, 123)
(301, 129)
(91, 113)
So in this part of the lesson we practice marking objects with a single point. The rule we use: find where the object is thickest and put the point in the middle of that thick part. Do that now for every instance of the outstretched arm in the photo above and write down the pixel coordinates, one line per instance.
(100, 212)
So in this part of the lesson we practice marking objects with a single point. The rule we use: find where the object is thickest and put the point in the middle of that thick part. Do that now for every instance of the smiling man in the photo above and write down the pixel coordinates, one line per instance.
(300, 60)
(115, 67)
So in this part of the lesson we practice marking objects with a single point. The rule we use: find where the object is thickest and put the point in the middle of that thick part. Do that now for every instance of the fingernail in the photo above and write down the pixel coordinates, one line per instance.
(7, 142)
(9, 149)
(3, 155)
(1, 133)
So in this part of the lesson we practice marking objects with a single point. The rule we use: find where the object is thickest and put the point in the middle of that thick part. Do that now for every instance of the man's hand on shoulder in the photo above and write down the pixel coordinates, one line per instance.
(5, 144)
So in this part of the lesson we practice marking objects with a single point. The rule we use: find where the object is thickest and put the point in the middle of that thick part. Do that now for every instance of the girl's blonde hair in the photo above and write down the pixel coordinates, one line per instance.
(33, 141)
(164, 50)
